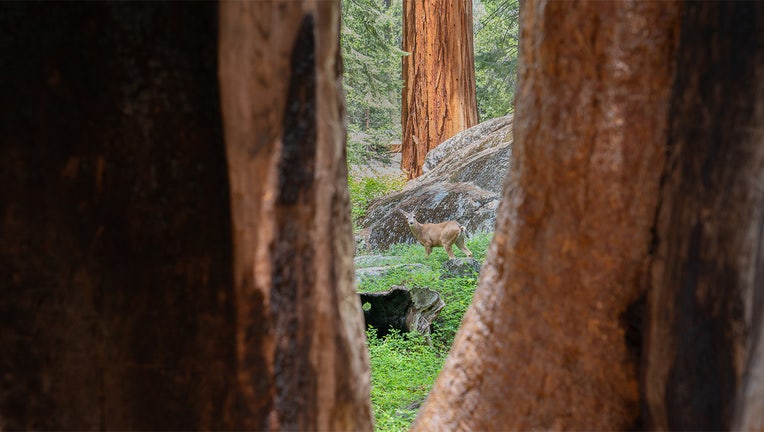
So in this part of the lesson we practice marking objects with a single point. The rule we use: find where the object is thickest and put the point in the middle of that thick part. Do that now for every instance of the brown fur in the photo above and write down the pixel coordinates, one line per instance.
(444, 234)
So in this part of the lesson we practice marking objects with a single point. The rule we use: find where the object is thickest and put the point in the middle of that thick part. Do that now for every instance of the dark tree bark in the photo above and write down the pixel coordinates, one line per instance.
(543, 345)
(119, 306)
(438, 77)
(705, 357)
(116, 298)
(300, 340)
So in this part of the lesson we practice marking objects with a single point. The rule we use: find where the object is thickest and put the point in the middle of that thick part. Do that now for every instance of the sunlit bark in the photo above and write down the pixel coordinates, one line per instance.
(543, 345)
(299, 337)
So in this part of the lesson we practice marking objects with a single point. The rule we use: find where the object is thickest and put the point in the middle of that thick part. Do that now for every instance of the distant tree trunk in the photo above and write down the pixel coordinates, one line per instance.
(120, 308)
(545, 344)
(705, 360)
(300, 333)
(438, 77)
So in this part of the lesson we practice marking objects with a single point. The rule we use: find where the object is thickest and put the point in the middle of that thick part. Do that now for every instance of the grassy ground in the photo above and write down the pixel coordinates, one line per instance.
(404, 367)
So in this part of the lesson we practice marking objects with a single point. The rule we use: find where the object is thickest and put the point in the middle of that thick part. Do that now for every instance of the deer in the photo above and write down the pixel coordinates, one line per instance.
(444, 234)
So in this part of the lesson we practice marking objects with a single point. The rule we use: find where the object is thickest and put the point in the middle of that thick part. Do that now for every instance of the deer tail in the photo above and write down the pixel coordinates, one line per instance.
(464, 231)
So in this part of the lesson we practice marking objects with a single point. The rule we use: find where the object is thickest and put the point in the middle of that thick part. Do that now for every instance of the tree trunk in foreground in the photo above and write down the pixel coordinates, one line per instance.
(120, 309)
(300, 333)
(545, 345)
(705, 357)
(116, 245)
(438, 77)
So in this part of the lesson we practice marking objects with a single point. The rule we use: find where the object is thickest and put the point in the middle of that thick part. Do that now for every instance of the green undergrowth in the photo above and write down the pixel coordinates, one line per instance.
(404, 366)
(364, 190)
(403, 369)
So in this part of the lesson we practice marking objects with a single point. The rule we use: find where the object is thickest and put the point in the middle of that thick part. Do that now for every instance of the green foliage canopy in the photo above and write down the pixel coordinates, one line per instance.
(364, 190)
(496, 27)
(371, 40)
(371, 37)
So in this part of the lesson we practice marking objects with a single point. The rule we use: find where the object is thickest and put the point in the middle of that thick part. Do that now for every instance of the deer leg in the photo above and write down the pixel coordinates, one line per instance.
(449, 251)
(427, 250)
(460, 244)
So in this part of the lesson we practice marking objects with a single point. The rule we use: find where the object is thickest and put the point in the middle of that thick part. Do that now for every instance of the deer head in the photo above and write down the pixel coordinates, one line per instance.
(409, 217)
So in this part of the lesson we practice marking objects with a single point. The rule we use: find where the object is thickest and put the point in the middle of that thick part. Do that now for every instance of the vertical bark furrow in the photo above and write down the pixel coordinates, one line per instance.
(298, 152)
(439, 77)
(293, 251)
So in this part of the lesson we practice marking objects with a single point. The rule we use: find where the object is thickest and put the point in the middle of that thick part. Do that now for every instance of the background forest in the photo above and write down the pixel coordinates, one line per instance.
(404, 367)
(371, 41)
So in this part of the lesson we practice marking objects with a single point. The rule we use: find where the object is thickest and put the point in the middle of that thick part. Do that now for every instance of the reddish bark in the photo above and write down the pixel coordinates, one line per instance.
(120, 310)
(438, 77)
(300, 342)
(543, 345)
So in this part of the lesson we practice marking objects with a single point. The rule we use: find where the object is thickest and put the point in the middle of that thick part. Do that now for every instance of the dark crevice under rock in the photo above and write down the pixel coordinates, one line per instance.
(401, 308)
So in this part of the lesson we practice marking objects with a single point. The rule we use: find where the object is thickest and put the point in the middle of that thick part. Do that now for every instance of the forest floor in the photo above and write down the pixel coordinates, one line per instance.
(377, 168)
(404, 366)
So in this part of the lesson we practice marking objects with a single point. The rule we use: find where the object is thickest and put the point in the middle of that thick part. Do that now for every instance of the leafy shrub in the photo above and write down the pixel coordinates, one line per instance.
(365, 190)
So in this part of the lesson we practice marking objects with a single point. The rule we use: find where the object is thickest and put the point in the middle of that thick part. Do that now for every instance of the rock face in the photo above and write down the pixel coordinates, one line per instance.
(463, 179)
(362, 261)
(459, 267)
(479, 155)
(375, 272)
(401, 308)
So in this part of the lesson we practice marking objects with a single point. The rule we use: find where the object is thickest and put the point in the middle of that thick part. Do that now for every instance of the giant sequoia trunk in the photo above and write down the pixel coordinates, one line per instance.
(120, 310)
(543, 346)
(705, 357)
(438, 77)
